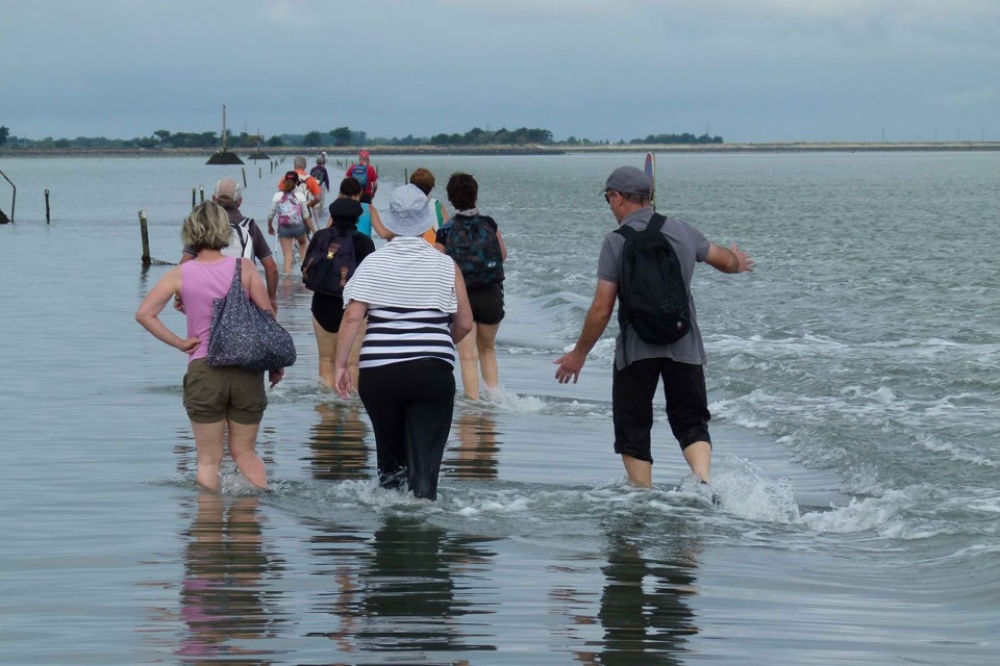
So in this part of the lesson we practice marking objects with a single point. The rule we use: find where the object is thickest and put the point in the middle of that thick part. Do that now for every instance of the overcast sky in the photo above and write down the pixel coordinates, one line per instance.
(748, 70)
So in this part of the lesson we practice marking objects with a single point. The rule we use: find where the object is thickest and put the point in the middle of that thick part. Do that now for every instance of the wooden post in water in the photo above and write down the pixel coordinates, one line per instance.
(201, 192)
(146, 261)
(194, 197)
(260, 172)
(243, 169)
(48, 217)
(13, 197)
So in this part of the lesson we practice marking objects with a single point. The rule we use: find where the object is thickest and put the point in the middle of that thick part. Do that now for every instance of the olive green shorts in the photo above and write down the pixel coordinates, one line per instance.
(215, 394)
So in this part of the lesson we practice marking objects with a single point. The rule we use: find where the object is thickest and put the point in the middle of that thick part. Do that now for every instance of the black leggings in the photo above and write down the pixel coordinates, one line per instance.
(410, 405)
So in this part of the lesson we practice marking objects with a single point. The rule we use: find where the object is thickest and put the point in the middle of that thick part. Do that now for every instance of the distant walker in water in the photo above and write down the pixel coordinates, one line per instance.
(294, 218)
(639, 365)
(363, 172)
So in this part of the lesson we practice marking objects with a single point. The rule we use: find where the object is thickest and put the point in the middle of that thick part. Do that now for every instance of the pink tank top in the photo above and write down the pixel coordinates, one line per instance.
(201, 284)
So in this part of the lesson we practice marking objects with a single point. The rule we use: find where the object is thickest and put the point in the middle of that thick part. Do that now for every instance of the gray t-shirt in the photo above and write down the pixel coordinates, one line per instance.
(691, 247)
(261, 248)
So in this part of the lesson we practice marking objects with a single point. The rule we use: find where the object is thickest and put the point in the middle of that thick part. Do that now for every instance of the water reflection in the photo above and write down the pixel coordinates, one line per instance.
(337, 444)
(476, 455)
(223, 602)
(410, 590)
(643, 607)
(643, 616)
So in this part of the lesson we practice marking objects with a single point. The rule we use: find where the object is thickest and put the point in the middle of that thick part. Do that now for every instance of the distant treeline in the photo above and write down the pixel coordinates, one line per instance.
(678, 138)
(341, 137)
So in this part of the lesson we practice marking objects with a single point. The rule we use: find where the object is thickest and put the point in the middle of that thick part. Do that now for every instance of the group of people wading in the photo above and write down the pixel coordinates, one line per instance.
(392, 322)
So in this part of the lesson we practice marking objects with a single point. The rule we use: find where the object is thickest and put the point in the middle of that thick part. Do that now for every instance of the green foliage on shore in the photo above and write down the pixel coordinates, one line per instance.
(685, 138)
(340, 137)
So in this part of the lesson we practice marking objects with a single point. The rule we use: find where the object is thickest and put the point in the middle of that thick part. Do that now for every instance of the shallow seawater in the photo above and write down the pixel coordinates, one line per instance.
(852, 379)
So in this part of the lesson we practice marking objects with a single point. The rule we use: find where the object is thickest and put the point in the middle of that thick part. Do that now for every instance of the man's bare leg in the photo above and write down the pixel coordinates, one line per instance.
(699, 458)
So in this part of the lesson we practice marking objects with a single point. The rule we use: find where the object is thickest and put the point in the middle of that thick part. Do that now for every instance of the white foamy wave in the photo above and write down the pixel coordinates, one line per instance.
(505, 400)
(806, 345)
(860, 516)
(745, 491)
(509, 401)
(738, 412)
(324, 499)
(955, 453)
(562, 505)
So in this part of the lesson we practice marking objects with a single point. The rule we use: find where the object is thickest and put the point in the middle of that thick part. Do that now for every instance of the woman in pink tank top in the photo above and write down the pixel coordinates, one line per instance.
(216, 399)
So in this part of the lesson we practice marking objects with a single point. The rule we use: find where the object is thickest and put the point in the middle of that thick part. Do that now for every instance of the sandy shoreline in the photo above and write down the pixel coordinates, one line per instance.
(333, 151)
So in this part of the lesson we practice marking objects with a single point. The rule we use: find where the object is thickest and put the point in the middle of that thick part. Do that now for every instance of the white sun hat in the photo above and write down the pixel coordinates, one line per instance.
(409, 212)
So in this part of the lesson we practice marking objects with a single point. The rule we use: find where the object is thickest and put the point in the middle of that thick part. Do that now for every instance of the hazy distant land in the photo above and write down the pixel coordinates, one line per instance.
(350, 151)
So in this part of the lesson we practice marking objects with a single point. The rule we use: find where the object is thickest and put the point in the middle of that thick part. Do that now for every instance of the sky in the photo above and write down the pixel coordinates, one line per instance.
(746, 70)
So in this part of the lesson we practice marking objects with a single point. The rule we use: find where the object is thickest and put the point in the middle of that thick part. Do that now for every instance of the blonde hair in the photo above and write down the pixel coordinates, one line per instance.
(206, 228)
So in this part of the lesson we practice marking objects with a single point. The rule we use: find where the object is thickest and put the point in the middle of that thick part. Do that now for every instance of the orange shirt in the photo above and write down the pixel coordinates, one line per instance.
(311, 184)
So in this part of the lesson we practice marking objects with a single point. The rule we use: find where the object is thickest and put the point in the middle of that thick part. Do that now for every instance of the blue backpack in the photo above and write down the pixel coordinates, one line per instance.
(360, 173)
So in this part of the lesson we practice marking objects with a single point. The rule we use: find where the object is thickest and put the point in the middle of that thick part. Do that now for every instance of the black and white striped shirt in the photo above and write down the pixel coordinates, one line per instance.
(395, 335)
(409, 288)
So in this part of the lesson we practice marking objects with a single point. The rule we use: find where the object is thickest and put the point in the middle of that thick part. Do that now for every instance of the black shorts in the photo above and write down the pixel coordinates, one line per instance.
(632, 393)
(328, 310)
(487, 303)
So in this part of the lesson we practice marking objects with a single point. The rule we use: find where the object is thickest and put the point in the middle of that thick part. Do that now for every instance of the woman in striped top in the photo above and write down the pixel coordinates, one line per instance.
(417, 309)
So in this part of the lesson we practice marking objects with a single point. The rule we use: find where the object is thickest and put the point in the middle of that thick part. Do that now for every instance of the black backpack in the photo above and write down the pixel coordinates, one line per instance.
(473, 244)
(329, 262)
(652, 296)
(319, 173)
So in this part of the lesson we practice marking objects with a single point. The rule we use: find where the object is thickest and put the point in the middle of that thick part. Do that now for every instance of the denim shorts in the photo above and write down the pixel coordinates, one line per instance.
(292, 232)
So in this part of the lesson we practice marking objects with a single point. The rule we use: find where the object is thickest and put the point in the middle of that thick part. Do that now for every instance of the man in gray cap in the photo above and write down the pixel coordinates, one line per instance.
(639, 365)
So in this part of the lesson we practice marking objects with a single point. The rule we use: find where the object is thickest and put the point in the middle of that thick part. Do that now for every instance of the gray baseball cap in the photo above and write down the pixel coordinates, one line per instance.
(629, 180)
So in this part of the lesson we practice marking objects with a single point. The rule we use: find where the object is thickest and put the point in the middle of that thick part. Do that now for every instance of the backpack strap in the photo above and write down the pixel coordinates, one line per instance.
(242, 229)
(656, 222)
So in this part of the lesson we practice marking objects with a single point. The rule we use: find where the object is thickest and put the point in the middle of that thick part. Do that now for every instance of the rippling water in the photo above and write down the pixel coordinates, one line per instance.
(852, 377)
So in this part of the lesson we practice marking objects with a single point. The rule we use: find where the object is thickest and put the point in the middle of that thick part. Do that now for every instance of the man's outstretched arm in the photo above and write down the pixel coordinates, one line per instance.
(571, 363)
(733, 260)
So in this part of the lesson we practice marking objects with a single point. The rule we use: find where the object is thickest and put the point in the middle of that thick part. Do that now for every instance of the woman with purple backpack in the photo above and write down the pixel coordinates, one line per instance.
(292, 210)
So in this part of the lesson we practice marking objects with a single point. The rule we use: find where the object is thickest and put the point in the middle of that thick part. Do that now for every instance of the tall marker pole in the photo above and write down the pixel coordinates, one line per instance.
(651, 172)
